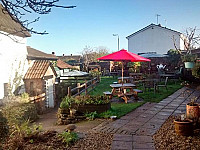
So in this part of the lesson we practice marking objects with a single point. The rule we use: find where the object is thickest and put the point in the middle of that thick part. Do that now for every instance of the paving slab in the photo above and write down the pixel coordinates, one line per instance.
(135, 130)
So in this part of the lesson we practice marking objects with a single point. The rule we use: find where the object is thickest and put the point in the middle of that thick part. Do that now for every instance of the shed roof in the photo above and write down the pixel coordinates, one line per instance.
(150, 26)
(34, 54)
(38, 69)
(62, 65)
(10, 25)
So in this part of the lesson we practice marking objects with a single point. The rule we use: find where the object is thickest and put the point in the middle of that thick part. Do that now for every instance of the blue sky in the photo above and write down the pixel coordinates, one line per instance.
(93, 22)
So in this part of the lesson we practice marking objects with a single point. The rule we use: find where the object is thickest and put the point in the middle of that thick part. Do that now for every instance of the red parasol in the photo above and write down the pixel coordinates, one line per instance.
(124, 56)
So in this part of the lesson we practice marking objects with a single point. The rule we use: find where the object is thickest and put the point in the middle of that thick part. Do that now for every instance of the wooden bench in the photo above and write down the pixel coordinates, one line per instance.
(136, 91)
(108, 94)
(124, 97)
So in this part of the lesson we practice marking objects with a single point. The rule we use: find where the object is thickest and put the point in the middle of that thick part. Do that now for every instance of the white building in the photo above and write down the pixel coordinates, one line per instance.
(155, 38)
(13, 53)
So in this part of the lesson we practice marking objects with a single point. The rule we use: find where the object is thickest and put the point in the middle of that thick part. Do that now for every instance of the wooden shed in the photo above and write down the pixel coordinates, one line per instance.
(39, 83)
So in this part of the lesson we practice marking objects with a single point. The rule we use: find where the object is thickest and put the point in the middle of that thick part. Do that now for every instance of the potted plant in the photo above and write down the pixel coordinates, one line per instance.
(189, 60)
(192, 110)
(183, 126)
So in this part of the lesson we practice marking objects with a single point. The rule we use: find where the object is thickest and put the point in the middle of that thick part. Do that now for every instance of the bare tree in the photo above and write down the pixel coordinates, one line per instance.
(91, 54)
(17, 9)
(190, 39)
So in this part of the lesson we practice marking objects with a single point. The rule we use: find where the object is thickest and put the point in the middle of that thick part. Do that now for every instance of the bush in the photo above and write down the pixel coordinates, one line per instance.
(3, 127)
(67, 102)
(88, 99)
(92, 115)
(16, 114)
(68, 137)
(196, 70)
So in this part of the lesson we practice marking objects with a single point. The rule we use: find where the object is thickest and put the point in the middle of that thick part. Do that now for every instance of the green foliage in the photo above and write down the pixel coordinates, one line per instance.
(3, 127)
(24, 129)
(88, 99)
(92, 115)
(67, 102)
(16, 114)
(196, 70)
(95, 73)
(189, 57)
(68, 137)
(25, 97)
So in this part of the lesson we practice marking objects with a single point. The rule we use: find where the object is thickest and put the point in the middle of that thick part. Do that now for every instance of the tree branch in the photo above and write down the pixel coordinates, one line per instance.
(18, 8)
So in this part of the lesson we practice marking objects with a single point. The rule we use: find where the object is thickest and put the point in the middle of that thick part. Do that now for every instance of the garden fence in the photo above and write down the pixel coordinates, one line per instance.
(83, 88)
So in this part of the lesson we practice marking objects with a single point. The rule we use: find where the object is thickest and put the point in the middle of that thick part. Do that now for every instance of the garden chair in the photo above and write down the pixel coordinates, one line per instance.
(162, 85)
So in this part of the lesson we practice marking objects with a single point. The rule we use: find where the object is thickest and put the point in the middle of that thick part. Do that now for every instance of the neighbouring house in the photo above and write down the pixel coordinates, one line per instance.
(155, 38)
(34, 54)
(40, 80)
(74, 60)
(13, 53)
(62, 66)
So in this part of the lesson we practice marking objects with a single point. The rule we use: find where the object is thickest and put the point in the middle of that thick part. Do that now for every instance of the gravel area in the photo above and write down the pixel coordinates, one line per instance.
(166, 138)
(94, 141)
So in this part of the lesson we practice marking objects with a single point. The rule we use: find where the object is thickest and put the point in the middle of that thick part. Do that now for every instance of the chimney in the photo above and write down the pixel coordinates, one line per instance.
(53, 53)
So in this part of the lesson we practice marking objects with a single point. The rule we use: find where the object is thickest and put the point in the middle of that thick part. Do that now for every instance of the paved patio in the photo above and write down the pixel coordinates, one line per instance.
(135, 130)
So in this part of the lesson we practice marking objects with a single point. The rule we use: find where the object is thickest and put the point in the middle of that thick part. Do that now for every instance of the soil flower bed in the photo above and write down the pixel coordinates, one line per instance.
(166, 138)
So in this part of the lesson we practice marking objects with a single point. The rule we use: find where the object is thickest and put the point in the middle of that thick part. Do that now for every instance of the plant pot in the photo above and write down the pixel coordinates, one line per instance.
(189, 65)
(184, 128)
(192, 112)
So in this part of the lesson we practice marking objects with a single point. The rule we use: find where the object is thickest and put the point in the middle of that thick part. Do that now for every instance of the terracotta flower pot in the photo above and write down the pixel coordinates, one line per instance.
(192, 112)
(184, 128)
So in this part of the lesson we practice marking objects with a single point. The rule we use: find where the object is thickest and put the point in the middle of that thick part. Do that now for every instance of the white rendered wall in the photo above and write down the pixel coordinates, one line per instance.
(12, 53)
(154, 39)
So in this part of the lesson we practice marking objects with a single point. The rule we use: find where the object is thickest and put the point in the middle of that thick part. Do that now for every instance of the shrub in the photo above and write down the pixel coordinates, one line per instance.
(88, 99)
(3, 127)
(68, 137)
(92, 115)
(196, 70)
(67, 102)
(16, 114)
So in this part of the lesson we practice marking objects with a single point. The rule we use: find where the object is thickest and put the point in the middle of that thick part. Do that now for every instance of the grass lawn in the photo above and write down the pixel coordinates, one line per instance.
(120, 109)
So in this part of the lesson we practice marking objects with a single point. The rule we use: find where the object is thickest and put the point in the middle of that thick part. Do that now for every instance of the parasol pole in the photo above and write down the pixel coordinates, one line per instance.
(122, 73)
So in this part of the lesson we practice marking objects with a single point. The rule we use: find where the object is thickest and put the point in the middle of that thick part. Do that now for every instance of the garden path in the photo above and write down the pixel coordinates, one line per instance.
(135, 130)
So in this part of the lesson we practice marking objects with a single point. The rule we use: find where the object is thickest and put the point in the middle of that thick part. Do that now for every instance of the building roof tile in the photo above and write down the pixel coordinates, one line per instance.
(34, 54)
(38, 69)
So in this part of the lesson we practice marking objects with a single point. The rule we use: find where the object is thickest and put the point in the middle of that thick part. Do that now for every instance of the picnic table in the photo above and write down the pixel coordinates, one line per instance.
(123, 90)
(125, 79)
(136, 76)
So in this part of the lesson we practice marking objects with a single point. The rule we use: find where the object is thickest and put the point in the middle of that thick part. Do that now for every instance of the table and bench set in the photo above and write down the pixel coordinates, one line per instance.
(124, 90)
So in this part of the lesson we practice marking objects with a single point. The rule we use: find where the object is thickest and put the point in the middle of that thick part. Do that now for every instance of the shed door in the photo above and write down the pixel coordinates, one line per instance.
(49, 93)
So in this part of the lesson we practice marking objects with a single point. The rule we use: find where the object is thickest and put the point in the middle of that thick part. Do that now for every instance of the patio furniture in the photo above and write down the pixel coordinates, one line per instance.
(162, 85)
(123, 90)
(125, 79)
(108, 94)
(119, 88)
(136, 91)
(150, 84)
(136, 76)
